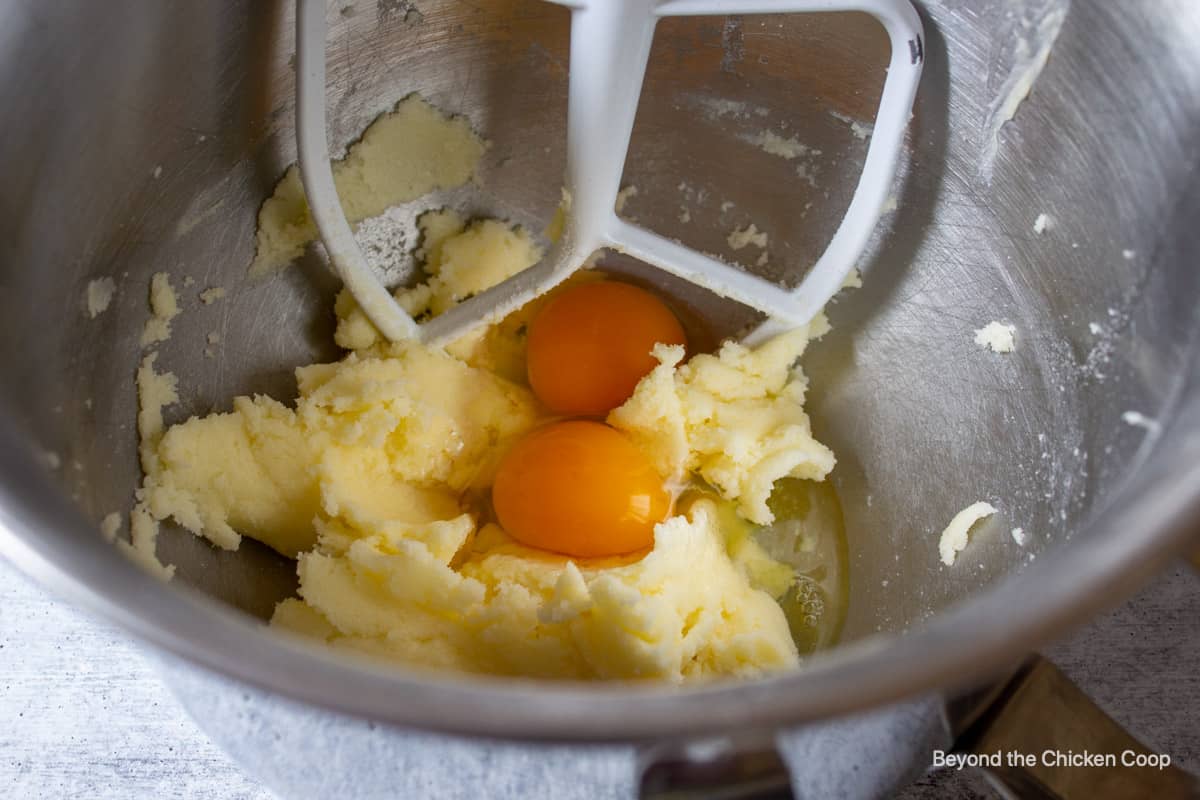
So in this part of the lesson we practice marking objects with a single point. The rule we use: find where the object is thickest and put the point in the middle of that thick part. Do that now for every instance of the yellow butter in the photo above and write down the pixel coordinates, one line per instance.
(401, 434)
(684, 611)
(404, 154)
(735, 418)
(460, 260)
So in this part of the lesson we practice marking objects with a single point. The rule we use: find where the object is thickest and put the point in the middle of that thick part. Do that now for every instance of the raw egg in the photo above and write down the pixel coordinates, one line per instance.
(590, 345)
(579, 488)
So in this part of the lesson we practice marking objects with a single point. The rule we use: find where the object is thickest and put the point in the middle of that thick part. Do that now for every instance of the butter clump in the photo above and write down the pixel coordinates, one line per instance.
(735, 418)
(460, 260)
(682, 612)
(956, 535)
(404, 154)
(164, 307)
(402, 434)
(155, 390)
(98, 295)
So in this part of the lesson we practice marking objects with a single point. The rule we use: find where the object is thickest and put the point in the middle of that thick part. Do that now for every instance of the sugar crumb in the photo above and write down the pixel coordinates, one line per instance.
(212, 295)
(624, 195)
(110, 525)
(750, 235)
(997, 337)
(860, 130)
(956, 535)
(164, 307)
(1139, 420)
(787, 148)
(99, 295)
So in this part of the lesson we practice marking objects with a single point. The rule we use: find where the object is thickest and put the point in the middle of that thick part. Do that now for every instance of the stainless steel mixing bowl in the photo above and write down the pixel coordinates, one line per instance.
(142, 136)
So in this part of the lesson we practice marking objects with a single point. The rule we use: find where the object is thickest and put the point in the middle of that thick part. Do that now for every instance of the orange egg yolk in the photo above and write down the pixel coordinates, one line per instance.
(590, 345)
(579, 488)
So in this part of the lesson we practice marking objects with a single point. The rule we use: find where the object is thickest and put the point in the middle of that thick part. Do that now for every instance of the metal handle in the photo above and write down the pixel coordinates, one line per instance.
(724, 768)
(1042, 715)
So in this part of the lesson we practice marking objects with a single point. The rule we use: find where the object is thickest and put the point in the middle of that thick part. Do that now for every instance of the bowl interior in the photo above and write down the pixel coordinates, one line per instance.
(155, 156)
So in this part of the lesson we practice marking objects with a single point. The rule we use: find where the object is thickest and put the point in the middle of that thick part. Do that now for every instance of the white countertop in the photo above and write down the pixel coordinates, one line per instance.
(86, 715)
